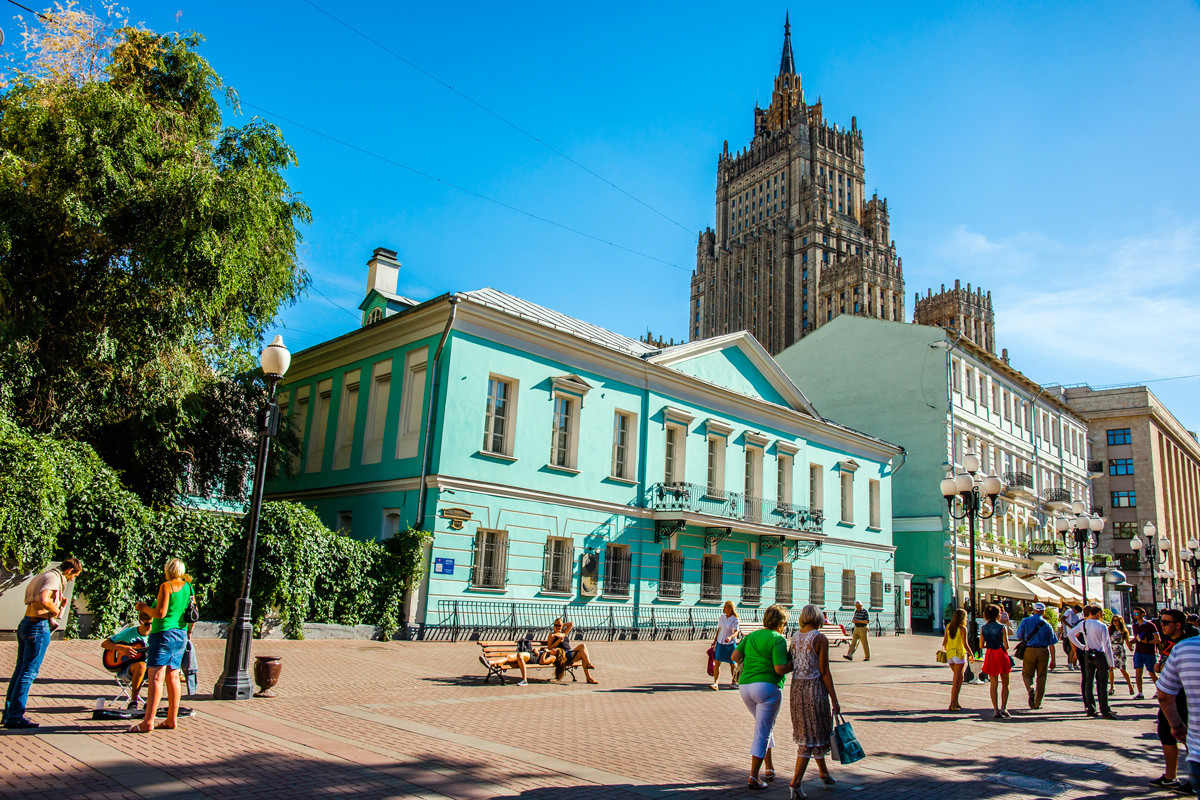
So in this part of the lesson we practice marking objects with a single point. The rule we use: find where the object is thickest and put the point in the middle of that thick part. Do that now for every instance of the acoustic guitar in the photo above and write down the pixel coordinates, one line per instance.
(115, 661)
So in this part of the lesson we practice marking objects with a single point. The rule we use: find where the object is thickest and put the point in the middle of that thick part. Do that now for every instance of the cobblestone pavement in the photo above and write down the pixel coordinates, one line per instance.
(358, 720)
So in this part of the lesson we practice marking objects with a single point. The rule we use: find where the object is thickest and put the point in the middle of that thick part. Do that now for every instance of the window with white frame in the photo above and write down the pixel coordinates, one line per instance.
(876, 590)
(320, 426)
(564, 429)
(675, 444)
(783, 583)
(500, 416)
(847, 497)
(784, 464)
(816, 586)
(347, 411)
(616, 570)
(299, 418)
(716, 464)
(873, 496)
(954, 379)
(670, 574)
(848, 588)
(556, 571)
(816, 487)
(995, 398)
(970, 383)
(377, 403)
(412, 403)
(624, 449)
(490, 570)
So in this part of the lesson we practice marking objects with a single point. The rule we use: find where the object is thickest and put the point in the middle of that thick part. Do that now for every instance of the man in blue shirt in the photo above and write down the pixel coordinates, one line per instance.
(1039, 639)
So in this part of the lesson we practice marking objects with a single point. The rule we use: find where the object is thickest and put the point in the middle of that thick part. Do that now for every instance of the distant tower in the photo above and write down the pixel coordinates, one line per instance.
(797, 242)
(968, 313)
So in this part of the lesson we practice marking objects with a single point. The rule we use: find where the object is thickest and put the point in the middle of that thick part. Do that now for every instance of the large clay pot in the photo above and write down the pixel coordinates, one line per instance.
(266, 674)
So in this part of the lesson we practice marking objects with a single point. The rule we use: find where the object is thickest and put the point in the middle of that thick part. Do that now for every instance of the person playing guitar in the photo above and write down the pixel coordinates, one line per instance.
(125, 654)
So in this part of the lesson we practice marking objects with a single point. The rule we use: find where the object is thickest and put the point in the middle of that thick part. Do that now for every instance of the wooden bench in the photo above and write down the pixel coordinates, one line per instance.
(498, 650)
(834, 632)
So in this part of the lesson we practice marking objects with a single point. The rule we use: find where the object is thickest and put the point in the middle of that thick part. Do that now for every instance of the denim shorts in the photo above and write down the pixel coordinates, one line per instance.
(165, 648)
(1145, 660)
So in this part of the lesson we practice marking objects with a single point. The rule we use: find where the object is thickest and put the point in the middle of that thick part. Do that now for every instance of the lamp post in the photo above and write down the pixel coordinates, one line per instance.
(234, 683)
(977, 495)
(1191, 560)
(1085, 530)
(1150, 558)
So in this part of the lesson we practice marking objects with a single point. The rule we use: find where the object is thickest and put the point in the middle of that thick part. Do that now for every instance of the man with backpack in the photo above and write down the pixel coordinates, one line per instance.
(1037, 642)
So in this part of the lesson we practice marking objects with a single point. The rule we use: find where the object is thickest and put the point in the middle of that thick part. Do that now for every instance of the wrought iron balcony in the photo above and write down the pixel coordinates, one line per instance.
(1018, 481)
(1057, 495)
(1046, 547)
(732, 506)
(1095, 467)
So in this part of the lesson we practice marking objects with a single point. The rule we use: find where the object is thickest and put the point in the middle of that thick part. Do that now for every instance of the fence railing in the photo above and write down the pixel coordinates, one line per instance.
(1018, 480)
(498, 619)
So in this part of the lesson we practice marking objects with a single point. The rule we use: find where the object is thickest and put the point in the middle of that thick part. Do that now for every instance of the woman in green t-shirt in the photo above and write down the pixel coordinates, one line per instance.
(763, 656)
(166, 643)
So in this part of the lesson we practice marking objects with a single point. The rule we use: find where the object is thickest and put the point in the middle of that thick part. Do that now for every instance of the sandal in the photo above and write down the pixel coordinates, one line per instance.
(768, 775)
(139, 729)
(755, 785)
(828, 780)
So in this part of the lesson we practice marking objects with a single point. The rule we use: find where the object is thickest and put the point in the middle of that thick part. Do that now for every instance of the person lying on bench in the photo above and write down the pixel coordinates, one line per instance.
(525, 655)
(125, 654)
(558, 639)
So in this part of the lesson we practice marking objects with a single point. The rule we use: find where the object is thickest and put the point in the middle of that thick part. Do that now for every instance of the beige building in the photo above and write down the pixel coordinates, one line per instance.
(960, 310)
(1148, 467)
(797, 241)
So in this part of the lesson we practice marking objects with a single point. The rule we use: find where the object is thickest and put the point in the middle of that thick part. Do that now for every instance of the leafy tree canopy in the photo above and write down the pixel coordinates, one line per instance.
(144, 247)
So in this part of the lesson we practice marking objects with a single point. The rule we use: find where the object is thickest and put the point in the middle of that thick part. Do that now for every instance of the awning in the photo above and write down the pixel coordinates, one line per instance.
(1010, 586)
(1053, 592)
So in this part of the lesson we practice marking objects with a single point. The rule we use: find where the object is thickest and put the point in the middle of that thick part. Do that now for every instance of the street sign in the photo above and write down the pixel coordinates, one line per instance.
(443, 566)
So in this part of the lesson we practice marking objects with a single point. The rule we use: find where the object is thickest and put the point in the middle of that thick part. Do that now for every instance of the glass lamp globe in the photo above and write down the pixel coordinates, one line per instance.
(1164, 544)
(1192, 544)
(1148, 530)
(992, 485)
(1061, 524)
(949, 487)
(964, 482)
(971, 463)
(1097, 523)
(1136, 544)
(275, 358)
(1077, 506)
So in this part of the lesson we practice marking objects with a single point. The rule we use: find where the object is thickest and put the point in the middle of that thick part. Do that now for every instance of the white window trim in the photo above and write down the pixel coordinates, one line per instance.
(847, 492)
(510, 418)
(377, 403)
(785, 469)
(315, 457)
(717, 465)
(631, 446)
(412, 401)
(575, 402)
(680, 475)
(343, 444)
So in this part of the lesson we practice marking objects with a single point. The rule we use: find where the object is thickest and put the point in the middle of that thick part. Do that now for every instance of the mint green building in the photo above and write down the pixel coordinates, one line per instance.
(564, 468)
(939, 396)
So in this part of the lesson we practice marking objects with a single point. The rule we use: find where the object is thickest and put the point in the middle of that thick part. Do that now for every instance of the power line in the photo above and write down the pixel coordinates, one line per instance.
(31, 11)
(507, 122)
(463, 189)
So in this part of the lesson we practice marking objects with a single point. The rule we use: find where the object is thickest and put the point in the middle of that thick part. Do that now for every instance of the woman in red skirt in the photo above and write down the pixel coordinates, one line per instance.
(996, 664)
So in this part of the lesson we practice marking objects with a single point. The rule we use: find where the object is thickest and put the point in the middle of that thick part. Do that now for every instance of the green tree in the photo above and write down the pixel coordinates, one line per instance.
(144, 248)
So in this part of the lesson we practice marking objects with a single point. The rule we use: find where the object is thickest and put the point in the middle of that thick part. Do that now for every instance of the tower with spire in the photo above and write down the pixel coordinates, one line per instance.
(796, 241)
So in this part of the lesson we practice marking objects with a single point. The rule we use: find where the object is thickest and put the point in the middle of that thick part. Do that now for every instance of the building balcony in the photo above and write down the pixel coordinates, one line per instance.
(1044, 550)
(1057, 498)
(1018, 483)
(715, 504)
(1095, 468)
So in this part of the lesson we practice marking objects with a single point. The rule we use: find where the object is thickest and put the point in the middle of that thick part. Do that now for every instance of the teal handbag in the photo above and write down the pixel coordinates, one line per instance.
(848, 748)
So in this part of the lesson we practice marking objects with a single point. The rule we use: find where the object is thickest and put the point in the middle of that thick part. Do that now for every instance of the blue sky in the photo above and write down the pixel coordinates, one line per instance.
(1043, 151)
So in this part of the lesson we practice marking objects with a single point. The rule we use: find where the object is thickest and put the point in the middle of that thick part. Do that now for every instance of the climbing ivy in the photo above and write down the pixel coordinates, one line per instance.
(59, 499)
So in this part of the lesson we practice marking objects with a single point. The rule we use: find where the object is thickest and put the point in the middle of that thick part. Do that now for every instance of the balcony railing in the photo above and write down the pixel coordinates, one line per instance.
(1057, 495)
(733, 506)
(1018, 480)
(1095, 467)
(1044, 548)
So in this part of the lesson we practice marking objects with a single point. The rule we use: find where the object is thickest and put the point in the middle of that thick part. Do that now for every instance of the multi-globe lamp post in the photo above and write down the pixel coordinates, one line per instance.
(235, 683)
(1150, 558)
(1191, 559)
(977, 495)
(1084, 530)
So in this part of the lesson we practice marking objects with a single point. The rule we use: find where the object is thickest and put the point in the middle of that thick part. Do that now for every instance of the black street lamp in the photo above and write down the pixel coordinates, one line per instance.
(977, 496)
(234, 683)
(1191, 560)
(1150, 558)
(1085, 530)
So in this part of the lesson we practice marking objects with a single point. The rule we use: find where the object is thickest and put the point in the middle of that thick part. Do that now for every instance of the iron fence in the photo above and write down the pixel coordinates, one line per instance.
(466, 620)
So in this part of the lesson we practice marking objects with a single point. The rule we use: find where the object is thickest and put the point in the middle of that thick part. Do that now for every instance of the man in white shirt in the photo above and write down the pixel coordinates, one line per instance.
(1094, 647)
(1182, 674)
(1070, 618)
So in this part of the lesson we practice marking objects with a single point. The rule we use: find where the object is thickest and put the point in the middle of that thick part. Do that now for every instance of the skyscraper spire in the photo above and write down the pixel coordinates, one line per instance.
(787, 65)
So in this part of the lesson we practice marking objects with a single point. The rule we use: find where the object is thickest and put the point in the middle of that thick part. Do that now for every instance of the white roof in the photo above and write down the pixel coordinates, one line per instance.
(509, 304)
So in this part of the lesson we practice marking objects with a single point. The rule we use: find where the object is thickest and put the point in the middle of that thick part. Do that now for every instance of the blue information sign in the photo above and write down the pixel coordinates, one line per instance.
(443, 566)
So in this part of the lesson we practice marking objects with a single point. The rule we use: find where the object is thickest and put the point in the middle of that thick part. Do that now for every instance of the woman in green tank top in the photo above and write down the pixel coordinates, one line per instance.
(166, 644)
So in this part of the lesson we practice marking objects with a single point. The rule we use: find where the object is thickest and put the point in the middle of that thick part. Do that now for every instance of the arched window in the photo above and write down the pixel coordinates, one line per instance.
(375, 315)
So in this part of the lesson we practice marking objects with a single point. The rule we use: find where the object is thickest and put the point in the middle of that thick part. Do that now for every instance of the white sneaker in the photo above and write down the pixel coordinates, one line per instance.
(522, 683)
(733, 685)
(713, 686)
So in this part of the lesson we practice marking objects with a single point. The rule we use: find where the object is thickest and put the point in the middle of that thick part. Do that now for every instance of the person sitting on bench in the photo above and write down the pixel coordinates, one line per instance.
(558, 639)
(125, 653)
(526, 654)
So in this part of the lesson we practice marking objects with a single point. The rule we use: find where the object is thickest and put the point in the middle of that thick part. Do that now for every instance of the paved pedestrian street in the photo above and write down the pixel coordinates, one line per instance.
(359, 719)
